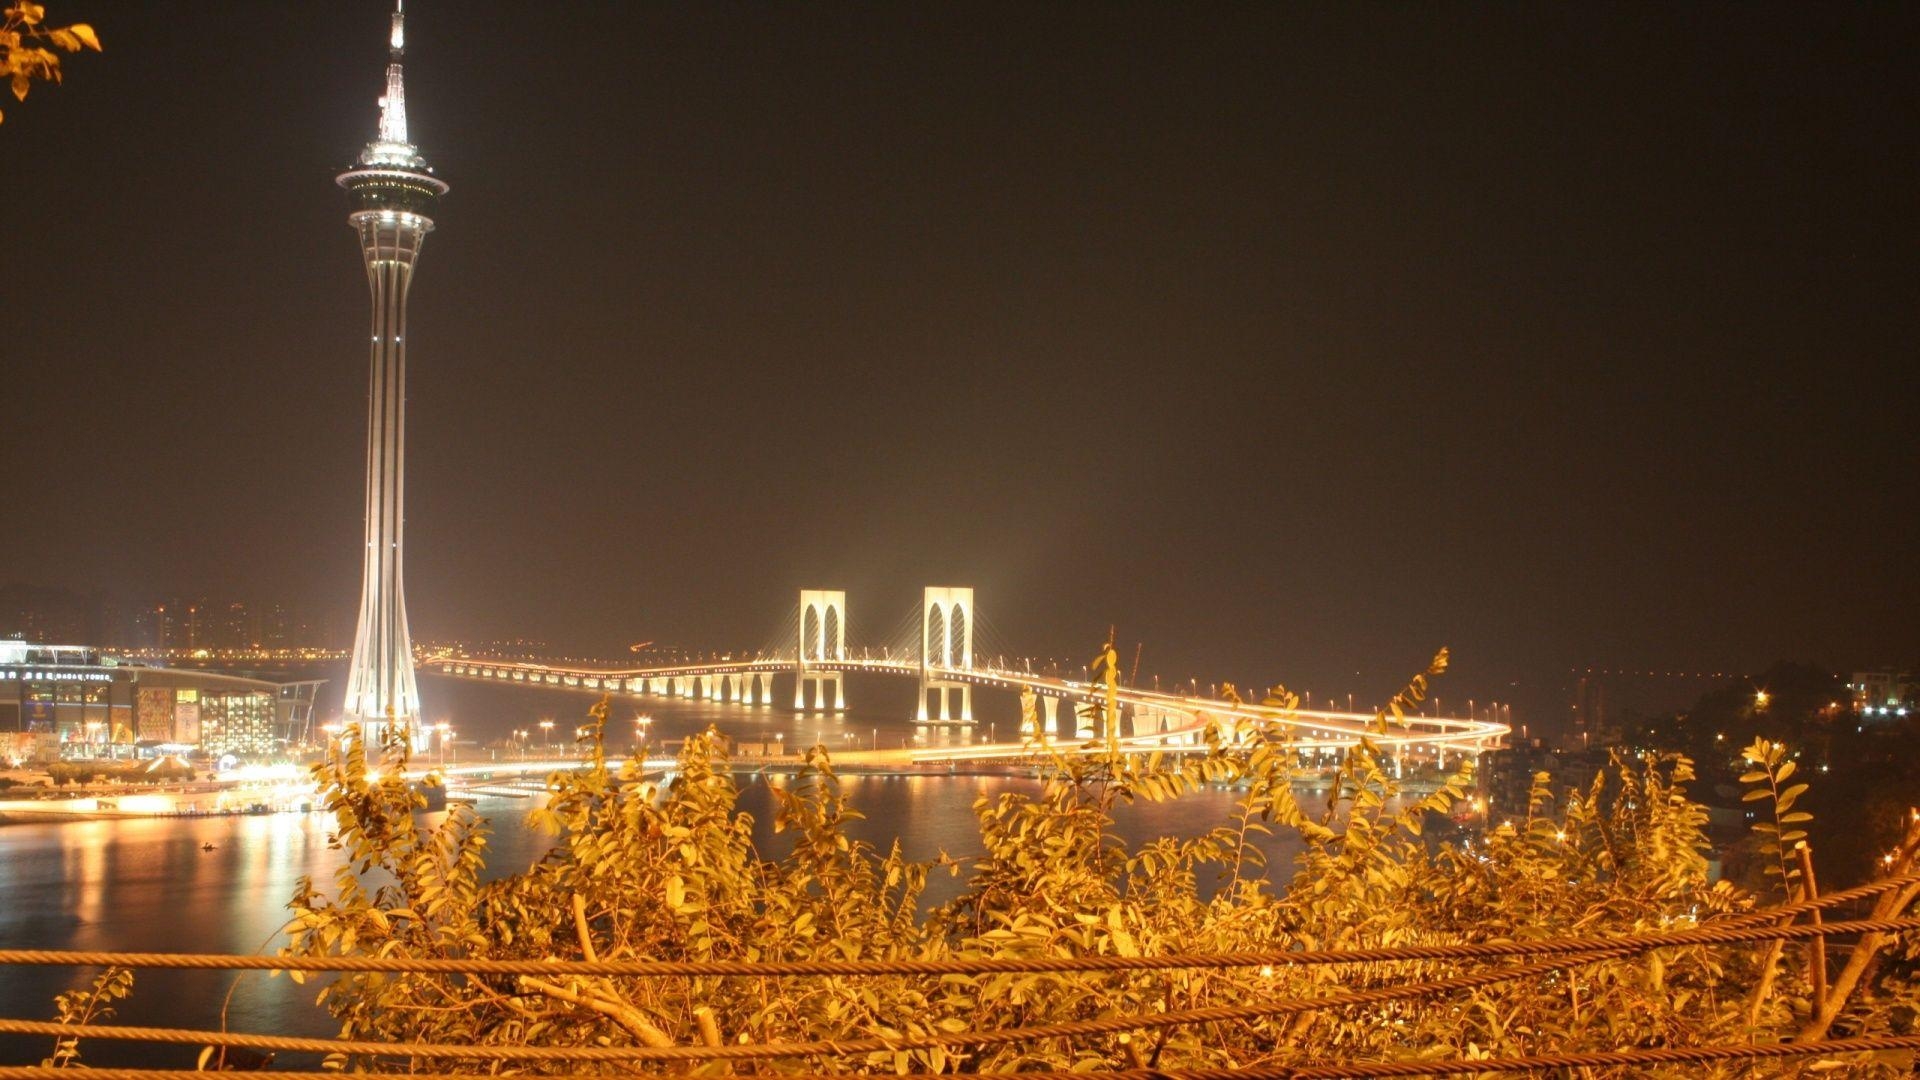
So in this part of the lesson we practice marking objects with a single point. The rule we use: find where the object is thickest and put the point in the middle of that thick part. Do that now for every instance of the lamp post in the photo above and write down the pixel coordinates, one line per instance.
(642, 725)
(442, 730)
(546, 734)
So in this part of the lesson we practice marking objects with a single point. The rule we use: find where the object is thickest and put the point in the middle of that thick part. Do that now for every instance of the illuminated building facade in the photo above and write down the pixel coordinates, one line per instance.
(392, 187)
(237, 722)
(77, 701)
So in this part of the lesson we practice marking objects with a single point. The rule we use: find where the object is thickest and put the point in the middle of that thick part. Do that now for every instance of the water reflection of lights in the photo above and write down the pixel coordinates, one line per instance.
(260, 773)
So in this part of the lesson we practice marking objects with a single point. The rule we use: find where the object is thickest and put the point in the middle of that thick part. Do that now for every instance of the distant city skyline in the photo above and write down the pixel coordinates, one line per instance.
(52, 615)
(1297, 342)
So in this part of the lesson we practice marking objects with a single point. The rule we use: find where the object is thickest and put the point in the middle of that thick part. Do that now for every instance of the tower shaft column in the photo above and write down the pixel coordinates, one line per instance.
(382, 693)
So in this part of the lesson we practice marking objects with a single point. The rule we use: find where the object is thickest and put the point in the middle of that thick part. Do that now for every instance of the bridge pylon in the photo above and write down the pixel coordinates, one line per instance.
(823, 640)
(946, 646)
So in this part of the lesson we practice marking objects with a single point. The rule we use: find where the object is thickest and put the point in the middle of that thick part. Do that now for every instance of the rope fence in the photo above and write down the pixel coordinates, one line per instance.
(1706, 935)
(1359, 1070)
(1076, 1029)
(1547, 956)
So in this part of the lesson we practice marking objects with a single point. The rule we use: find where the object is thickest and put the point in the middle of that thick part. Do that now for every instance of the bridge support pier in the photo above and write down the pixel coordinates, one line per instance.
(1052, 706)
(823, 640)
(1083, 720)
(766, 688)
(941, 690)
(946, 647)
(818, 680)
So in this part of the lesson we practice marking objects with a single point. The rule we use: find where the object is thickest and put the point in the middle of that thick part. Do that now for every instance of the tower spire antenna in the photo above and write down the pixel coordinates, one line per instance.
(393, 104)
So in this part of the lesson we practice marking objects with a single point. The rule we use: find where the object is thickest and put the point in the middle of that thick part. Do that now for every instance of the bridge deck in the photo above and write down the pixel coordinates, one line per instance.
(1177, 719)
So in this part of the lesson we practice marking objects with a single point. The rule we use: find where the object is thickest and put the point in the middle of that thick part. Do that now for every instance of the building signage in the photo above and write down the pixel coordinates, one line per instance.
(186, 716)
(26, 674)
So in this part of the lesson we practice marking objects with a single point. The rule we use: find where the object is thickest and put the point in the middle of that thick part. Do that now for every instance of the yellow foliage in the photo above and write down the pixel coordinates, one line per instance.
(671, 872)
(24, 52)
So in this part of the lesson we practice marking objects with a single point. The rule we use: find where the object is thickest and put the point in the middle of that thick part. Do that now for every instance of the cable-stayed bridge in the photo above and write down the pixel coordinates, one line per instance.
(947, 669)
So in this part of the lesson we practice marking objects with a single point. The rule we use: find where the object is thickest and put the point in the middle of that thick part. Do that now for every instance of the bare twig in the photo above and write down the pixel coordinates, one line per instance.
(619, 1012)
(580, 928)
(1870, 945)
(1817, 947)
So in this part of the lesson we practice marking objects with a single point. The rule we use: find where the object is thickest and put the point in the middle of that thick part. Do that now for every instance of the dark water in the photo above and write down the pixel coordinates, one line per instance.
(147, 885)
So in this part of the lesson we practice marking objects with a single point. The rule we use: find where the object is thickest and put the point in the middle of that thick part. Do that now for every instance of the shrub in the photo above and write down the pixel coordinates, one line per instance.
(641, 872)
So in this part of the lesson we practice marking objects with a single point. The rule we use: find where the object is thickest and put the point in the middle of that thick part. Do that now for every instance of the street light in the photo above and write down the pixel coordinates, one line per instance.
(546, 733)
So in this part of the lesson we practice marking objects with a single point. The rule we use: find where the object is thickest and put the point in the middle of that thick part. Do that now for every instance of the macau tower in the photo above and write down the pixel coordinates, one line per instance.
(392, 187)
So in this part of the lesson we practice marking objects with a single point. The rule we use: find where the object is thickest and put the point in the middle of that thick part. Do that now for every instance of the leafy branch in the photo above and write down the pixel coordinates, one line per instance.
(1779, 836)
(85, 1007)
(27, 46)
(1411, 695)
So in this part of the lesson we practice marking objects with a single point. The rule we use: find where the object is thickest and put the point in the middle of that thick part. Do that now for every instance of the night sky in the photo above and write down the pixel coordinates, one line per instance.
(1296, 340)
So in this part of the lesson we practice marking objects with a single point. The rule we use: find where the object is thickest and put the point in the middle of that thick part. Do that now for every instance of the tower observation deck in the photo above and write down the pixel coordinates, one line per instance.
(392, 188)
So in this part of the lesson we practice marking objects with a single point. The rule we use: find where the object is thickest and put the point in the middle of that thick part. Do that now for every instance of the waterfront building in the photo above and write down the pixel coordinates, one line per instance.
(72, 700)
(392, 187)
